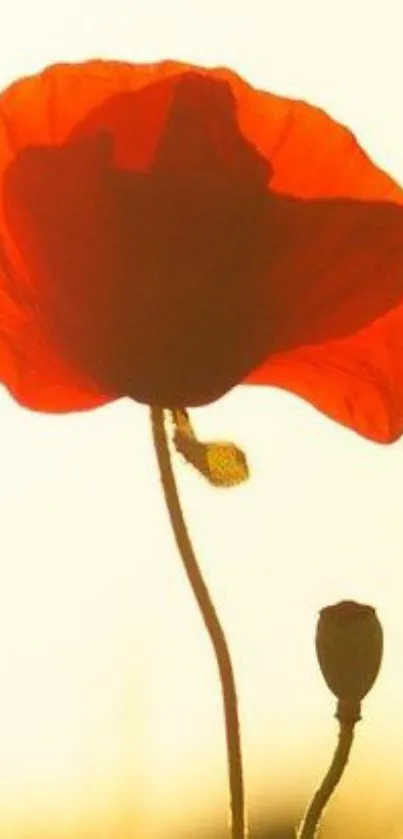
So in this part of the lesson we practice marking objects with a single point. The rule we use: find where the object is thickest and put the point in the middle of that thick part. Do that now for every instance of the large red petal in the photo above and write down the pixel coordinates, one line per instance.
(335, 282)
(140, 236)
(316, 310)
(41, 111)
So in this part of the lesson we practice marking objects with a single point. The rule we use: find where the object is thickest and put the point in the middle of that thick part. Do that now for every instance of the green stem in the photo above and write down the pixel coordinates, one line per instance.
(309, 825)
(212, 623)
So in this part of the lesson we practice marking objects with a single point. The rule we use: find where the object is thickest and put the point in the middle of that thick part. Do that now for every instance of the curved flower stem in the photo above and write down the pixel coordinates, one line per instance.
(309, 825)
(212, 623)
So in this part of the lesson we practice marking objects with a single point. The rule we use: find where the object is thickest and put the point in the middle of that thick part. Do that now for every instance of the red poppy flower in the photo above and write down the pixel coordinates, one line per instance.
(168, 232)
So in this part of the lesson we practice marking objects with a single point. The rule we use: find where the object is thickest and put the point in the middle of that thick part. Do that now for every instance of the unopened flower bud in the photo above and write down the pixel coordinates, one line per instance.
(349, 643)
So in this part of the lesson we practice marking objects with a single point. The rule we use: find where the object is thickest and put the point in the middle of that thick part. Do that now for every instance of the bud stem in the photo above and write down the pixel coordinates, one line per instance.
(212, 623)
(309, 825)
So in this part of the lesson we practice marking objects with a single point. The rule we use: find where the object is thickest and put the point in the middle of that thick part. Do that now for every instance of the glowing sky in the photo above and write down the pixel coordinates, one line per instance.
(110, 722)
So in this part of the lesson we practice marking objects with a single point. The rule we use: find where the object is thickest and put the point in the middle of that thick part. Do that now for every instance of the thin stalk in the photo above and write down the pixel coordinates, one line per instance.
(212, 623)
(309, 825)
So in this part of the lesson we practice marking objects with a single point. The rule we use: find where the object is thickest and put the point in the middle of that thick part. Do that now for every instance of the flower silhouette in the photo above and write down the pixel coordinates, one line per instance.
(167, 232)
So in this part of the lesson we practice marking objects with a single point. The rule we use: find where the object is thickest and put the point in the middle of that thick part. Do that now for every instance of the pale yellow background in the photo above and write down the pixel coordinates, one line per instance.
(110, 714)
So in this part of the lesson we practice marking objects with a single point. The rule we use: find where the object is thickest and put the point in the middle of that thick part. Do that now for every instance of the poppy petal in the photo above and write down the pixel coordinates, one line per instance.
(336, 277)
(140, 258)
(168, 232)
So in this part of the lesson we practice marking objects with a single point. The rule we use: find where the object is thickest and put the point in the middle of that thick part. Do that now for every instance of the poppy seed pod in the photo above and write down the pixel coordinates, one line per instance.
(349, 643)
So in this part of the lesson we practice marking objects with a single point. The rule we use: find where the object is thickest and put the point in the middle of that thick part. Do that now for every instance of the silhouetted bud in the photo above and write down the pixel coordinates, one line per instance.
(349, 644)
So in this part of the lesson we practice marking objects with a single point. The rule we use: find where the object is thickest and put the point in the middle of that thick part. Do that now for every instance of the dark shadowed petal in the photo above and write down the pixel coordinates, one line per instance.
(335, 313)
(168, 232)
(145, 270)
(335, 275)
